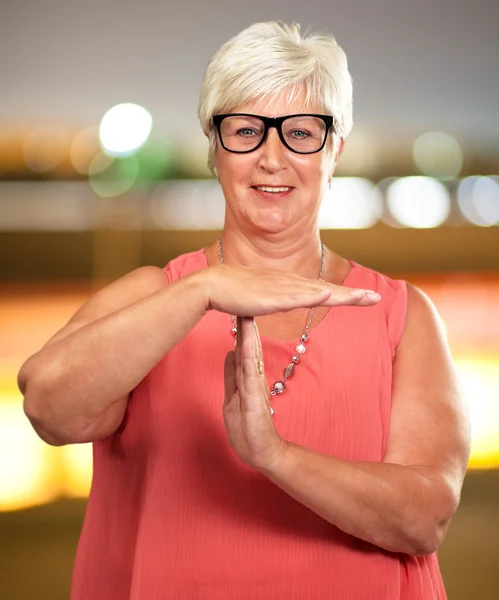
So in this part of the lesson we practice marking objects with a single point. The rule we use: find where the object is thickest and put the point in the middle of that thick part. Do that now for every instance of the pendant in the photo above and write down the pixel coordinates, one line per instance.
(277, 388)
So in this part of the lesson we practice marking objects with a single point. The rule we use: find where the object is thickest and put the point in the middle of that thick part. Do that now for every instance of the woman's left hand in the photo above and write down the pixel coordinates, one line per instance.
(246, 410)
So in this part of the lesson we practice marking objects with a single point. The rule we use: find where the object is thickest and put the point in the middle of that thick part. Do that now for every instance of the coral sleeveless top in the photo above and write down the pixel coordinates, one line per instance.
(174, 514)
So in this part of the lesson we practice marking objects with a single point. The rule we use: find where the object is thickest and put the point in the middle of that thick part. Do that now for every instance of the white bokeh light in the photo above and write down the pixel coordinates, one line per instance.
(124, 129)
(478, 200)
(438, 154)
(420, 202)
(351, 203)
(188, 205)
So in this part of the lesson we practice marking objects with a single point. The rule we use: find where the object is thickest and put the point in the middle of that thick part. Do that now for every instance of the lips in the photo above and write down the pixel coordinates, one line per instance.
(272, 188)
(272, 192)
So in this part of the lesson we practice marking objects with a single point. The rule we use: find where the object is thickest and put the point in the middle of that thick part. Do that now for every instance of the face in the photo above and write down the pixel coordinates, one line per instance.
(300, 179)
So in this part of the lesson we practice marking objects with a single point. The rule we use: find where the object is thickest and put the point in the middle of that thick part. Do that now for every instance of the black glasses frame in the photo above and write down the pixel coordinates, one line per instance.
(269, 122)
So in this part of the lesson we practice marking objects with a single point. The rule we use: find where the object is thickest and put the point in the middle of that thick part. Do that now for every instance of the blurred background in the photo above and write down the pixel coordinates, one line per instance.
(103, 169)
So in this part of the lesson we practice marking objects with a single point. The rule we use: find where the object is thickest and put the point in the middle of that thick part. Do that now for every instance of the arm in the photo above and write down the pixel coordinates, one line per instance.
(405, 503)
(76, 387)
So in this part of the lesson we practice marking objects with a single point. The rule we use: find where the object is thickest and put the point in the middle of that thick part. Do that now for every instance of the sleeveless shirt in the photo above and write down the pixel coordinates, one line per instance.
(174, 514)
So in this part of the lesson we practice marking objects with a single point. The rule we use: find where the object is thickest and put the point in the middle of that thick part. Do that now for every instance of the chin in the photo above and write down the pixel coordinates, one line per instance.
(272, 226)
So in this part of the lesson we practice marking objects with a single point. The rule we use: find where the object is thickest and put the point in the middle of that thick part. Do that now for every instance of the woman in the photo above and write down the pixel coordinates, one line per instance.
(336, 462)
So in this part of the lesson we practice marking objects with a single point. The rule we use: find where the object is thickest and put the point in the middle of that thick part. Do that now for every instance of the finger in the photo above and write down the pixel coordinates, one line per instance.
(250, 353)
(345, 296)
(230, 376)
(309, 295)
(239, 342)
(258, 341)
(259, 352)
(253, 381)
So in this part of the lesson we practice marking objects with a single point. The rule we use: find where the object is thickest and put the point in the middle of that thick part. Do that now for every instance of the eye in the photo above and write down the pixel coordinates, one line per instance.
(246, 132)
(299, 134)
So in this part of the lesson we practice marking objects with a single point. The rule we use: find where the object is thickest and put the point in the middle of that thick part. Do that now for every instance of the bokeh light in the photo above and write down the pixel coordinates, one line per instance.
(478, 200)
(84, 148)
(45, 148)
(27, 475)
(110, 177)
(351, 203)
(155, 160)
(188, 205)
(124, 129)
(360, 154)
(479, 377)
(438, 155)
(77, 463)
(420, 202)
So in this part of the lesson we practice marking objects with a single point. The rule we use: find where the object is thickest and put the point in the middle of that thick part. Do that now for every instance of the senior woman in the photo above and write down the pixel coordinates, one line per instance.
(321, 458)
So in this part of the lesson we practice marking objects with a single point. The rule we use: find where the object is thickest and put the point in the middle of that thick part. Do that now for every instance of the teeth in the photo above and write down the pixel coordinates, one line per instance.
(272, 189)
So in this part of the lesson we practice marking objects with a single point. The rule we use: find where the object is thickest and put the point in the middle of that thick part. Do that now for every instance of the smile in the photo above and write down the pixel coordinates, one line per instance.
(275, 190)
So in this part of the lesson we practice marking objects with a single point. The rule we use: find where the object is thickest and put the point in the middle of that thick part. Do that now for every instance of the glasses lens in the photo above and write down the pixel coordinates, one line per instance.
(304, 134)
(241, 134)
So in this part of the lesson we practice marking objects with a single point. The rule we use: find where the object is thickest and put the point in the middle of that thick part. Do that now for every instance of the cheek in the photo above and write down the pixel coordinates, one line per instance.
(234, 169)
(311, 171)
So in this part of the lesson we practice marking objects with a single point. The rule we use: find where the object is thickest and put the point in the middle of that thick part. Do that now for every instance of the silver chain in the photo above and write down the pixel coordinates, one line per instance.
(279, 386)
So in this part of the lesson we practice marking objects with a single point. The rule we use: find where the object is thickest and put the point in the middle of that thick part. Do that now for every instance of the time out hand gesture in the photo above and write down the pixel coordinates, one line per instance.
(246, 410)
(256, 292)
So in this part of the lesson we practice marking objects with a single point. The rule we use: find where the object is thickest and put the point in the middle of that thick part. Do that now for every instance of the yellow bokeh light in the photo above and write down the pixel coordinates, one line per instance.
(77, 460)
(46, 147)
(84, 148)
(29, 475)
(479, 377)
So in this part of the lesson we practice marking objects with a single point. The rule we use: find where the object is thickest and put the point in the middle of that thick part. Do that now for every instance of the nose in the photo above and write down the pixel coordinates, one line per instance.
(272, 152)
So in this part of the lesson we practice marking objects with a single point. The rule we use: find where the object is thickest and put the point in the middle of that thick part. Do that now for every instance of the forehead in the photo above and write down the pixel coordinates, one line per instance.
(284, 102)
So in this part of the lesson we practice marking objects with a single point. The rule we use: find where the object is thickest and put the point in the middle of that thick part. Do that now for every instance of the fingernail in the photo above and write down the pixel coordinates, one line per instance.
(372, 295)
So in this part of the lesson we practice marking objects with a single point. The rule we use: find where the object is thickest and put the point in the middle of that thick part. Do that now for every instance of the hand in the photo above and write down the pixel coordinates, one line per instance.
(243, 291)
(246, 410)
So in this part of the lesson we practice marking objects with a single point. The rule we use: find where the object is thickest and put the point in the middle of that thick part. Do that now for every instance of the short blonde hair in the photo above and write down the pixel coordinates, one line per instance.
(266, 58)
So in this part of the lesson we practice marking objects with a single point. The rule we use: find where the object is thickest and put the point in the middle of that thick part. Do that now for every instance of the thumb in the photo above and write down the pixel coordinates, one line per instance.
(230, 376)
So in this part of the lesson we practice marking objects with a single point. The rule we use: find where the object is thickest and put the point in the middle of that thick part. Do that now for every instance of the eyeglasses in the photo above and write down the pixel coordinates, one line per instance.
(303, 133)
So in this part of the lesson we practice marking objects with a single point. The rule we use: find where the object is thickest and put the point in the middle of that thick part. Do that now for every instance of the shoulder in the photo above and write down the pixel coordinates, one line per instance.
(422, 316)
(130, 288)
(393, 292)
(371, 279)
(392, 308)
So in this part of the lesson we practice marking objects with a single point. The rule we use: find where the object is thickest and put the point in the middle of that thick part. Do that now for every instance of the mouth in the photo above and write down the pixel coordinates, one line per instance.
(272, 191)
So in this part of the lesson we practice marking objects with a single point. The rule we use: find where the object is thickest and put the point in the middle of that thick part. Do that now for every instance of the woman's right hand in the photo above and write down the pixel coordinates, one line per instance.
(243, 291)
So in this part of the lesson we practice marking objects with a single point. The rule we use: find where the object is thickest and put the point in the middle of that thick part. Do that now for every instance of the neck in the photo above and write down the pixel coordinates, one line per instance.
(301, 255)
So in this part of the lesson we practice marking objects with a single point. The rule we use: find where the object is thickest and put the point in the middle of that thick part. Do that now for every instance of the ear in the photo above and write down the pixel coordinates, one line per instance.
(336, 156)
(341, 145)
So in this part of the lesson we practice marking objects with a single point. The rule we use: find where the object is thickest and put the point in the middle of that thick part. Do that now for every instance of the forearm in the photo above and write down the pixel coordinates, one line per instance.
(398, 508)
(73, 381)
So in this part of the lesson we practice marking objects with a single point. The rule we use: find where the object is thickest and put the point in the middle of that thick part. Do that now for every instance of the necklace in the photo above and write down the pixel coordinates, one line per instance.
(278, 387)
